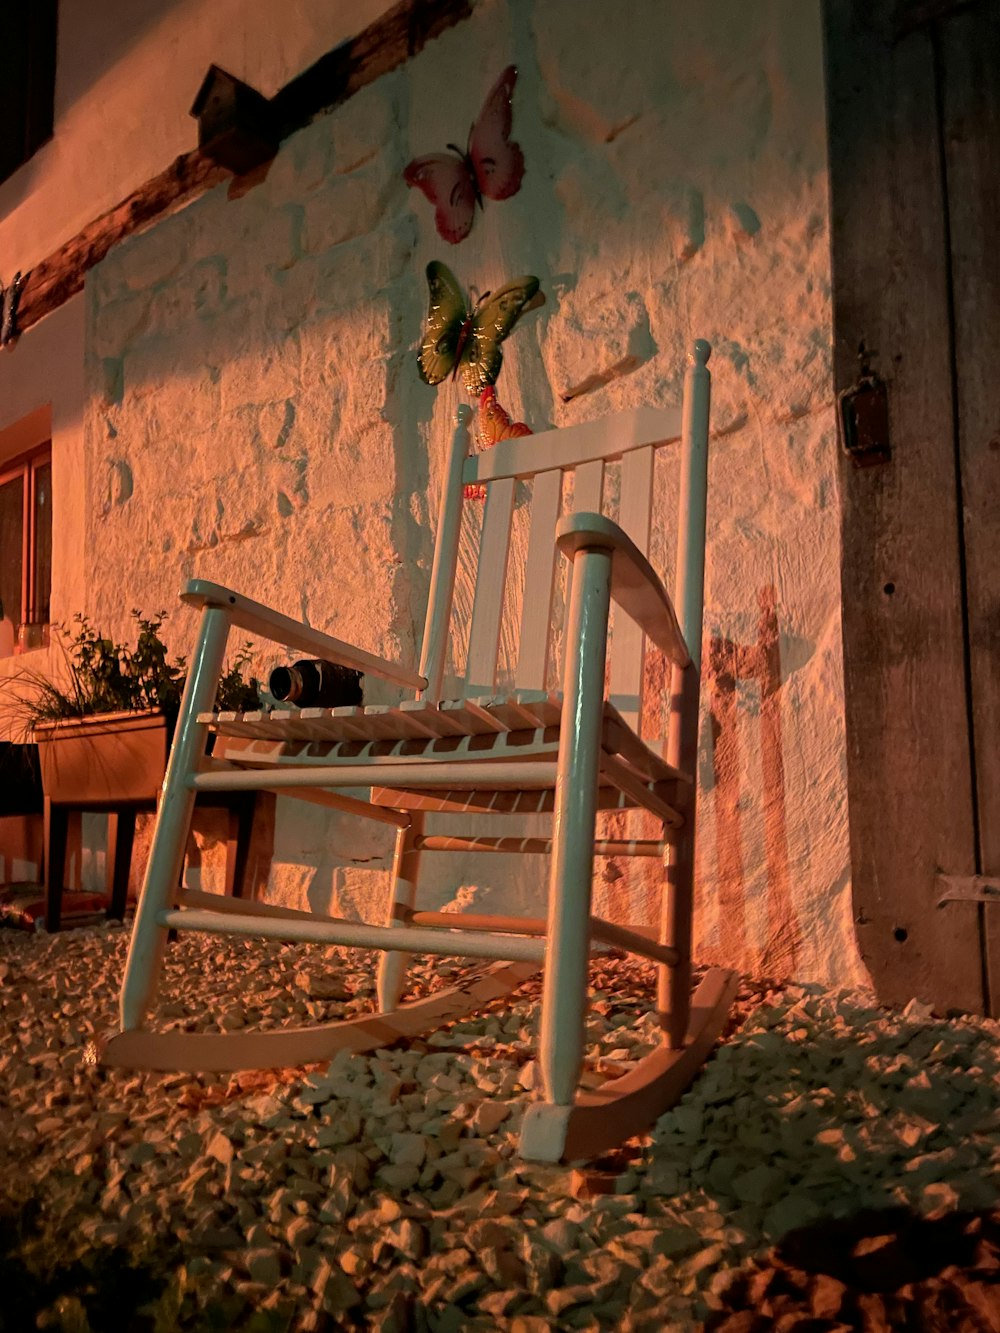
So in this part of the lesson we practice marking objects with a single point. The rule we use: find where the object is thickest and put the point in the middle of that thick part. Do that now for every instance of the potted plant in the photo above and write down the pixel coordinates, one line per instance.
(103, 728)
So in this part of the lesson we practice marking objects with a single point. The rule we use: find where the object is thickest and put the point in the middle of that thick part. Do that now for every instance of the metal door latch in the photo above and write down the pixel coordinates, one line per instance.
(864, 416)
(967, 889)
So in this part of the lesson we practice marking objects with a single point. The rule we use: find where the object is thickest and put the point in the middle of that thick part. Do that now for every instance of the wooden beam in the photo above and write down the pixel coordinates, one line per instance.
(382, 46)
(61, 275)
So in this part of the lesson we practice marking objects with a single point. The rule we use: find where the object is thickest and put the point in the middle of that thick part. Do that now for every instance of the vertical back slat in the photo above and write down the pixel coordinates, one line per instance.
(484, 637)
(588, 487)
(628, 643)
(539, 571)
(442, 589)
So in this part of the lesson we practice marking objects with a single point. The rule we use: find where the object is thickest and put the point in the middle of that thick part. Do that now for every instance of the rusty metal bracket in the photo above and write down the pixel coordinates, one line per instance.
(967, 889)
(9, 297)
(863, 416)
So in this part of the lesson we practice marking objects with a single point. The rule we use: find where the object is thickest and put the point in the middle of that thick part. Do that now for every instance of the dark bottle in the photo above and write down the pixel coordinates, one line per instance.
(314, 683)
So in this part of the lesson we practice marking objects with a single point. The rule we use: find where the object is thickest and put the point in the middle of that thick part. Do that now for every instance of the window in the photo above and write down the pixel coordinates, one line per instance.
(25, 550)
(27, 89)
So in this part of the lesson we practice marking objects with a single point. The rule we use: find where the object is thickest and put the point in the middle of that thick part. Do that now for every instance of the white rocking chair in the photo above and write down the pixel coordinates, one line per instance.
(527, 751)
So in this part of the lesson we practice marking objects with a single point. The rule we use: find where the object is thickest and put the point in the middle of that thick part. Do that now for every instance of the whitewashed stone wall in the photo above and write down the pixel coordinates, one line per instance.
(255, 414)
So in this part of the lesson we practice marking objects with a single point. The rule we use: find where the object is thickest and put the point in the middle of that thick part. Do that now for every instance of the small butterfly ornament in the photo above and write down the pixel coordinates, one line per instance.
(464, 339)
(495, 424)
(491, 166)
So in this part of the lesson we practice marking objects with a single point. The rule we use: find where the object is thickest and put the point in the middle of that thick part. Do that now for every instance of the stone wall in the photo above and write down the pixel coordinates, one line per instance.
(255, 415)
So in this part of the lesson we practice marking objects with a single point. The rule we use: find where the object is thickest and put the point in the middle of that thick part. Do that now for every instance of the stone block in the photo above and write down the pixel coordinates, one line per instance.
(348, 207)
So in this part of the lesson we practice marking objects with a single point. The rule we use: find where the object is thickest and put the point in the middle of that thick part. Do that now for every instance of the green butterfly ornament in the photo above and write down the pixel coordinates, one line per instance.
(465, 339)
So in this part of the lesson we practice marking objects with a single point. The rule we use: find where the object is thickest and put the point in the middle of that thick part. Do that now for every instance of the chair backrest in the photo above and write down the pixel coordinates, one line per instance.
(542, 463)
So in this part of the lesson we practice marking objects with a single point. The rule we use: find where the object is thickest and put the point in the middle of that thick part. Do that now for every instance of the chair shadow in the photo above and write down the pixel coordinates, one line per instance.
(794, 1128)
(744, 679)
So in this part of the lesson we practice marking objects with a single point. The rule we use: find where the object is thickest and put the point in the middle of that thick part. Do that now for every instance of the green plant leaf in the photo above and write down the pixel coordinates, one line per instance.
(101, 676)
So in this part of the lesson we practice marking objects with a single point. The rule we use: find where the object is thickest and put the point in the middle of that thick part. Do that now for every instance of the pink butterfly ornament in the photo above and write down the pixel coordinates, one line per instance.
(491, 167)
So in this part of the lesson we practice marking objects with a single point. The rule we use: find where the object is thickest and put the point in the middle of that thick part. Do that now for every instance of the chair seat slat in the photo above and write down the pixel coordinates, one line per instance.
(383, 722)
(657, 797)
(526, 708)
(473, 715)
(510, 802)
(526, 744)
(245, 724)
(460, 728)
(433, 717)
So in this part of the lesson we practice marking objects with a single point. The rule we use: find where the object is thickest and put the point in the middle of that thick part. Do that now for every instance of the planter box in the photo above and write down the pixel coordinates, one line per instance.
(116, 762)
(108, 759)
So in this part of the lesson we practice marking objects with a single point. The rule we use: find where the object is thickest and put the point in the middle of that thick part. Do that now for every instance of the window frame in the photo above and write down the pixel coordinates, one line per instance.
(27, 465)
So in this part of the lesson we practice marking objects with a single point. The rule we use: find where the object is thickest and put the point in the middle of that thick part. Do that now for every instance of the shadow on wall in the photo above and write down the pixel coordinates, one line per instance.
(741, 746)
(210, 853)
(729, 669)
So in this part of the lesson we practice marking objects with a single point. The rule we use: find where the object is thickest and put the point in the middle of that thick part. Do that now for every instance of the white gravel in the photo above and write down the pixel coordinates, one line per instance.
(359, 1196)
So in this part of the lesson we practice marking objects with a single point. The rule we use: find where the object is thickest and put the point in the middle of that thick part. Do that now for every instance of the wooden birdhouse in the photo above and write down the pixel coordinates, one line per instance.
(236, 124)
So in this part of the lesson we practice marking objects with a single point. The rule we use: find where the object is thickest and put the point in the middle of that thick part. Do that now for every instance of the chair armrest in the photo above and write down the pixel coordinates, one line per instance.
(259, 619)
(634, 584)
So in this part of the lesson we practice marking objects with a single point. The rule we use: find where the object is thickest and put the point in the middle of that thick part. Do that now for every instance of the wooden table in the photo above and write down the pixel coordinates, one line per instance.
(121, 833)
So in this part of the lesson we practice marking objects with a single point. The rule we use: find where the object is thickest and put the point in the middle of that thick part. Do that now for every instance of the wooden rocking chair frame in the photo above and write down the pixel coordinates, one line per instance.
(524, 752)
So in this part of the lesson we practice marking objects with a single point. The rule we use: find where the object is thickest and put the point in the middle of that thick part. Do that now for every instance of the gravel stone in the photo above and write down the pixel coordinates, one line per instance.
(384, 1190)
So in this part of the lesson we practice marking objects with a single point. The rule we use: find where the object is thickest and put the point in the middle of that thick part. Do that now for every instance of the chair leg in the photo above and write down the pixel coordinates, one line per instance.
(568, 934)
(674, 983)
(405, 868)
(173, 821)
